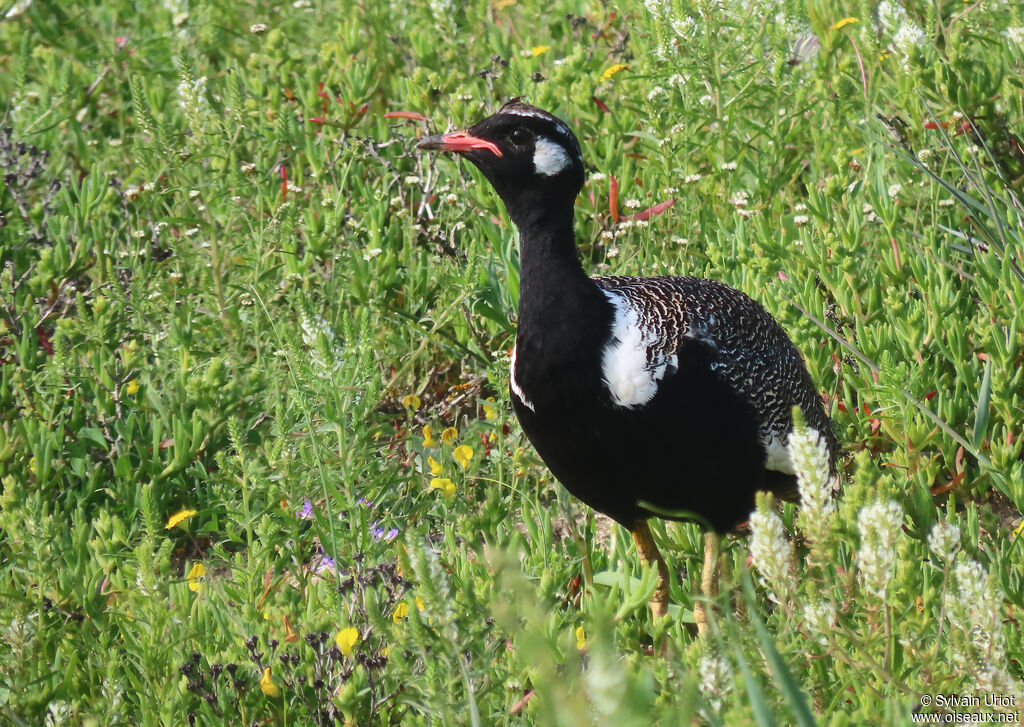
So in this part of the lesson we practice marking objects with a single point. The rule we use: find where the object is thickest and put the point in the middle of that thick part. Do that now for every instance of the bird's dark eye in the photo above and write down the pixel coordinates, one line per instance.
(519, 136)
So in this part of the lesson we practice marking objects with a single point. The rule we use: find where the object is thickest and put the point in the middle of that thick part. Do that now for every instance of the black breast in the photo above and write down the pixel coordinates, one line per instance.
(696, 448)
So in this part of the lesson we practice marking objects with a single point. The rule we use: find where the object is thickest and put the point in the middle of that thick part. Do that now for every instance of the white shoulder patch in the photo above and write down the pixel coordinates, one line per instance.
(779, 458)
(631, 379)
(514, 385)
(549, 157)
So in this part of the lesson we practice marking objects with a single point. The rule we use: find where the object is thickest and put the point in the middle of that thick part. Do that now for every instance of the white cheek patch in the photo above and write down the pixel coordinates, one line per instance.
(779, 459)
(631, 378)
(549, 158)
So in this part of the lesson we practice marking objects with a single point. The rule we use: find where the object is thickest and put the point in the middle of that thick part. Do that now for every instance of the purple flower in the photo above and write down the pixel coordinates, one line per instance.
(379, 533)
(323, 563)
(306, 512)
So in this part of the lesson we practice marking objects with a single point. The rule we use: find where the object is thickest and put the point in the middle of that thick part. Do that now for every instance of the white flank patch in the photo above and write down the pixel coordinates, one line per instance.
(514, 385)
(549, 157)
(779, 458)
(631, 381)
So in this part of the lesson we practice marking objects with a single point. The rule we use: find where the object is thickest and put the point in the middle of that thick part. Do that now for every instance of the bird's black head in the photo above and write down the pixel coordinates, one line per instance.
(532, 158)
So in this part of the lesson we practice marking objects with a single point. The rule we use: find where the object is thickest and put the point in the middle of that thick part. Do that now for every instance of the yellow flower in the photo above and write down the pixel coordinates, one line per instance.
(178, 518)
(445, 485)
(428, 439)
(581, 638)
(1020, 528)
(267, 684)
(197, 572)
(402, 609)
(843, 23)
(346, 639)
(411, 401)
(449, 435)
(538, 49)
(133, 387)
(490, 411)
(463, 454)
(32, 466)
(435, 466)
(612, 70)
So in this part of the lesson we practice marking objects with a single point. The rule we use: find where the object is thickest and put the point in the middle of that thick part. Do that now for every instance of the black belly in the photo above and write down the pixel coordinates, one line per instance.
(693, 451)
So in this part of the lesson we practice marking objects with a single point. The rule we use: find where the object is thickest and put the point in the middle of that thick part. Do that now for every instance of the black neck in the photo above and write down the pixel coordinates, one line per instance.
(557, 301)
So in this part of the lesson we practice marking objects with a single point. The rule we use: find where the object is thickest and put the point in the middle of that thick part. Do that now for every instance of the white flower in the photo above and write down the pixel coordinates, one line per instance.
(891, 15)
(715, 679)
(691, 178)
(192, 95)
(684, 27)
(706, 100)
(809, 452)
(801, 220)
(895, 189)
(739, 199)
(729, 166)
(908, 39)
(799, 207)
(598, 177)
(319, 338)
(944, 540)
(1016, 35)
(771, 553)
(658, 7)
(632, 204)
(948, 202)
(879, 526)
(58, 713)
(655, 92)
(257, 28)
(820, 617)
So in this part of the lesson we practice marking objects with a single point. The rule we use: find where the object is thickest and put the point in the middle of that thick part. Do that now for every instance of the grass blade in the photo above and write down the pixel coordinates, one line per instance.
(791, 690)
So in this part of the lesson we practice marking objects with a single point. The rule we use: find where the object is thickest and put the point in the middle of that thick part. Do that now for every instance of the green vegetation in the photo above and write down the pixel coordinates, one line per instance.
(228, 285)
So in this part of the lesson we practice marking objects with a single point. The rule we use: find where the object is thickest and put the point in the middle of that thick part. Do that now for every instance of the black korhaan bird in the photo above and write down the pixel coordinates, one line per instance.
(644, 396)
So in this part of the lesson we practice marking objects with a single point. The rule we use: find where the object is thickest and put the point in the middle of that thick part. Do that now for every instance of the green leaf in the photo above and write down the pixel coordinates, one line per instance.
(981, 413)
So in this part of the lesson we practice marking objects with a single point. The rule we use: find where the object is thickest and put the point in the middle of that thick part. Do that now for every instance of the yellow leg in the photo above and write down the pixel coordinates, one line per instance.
(709, 582)
(649, 552)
